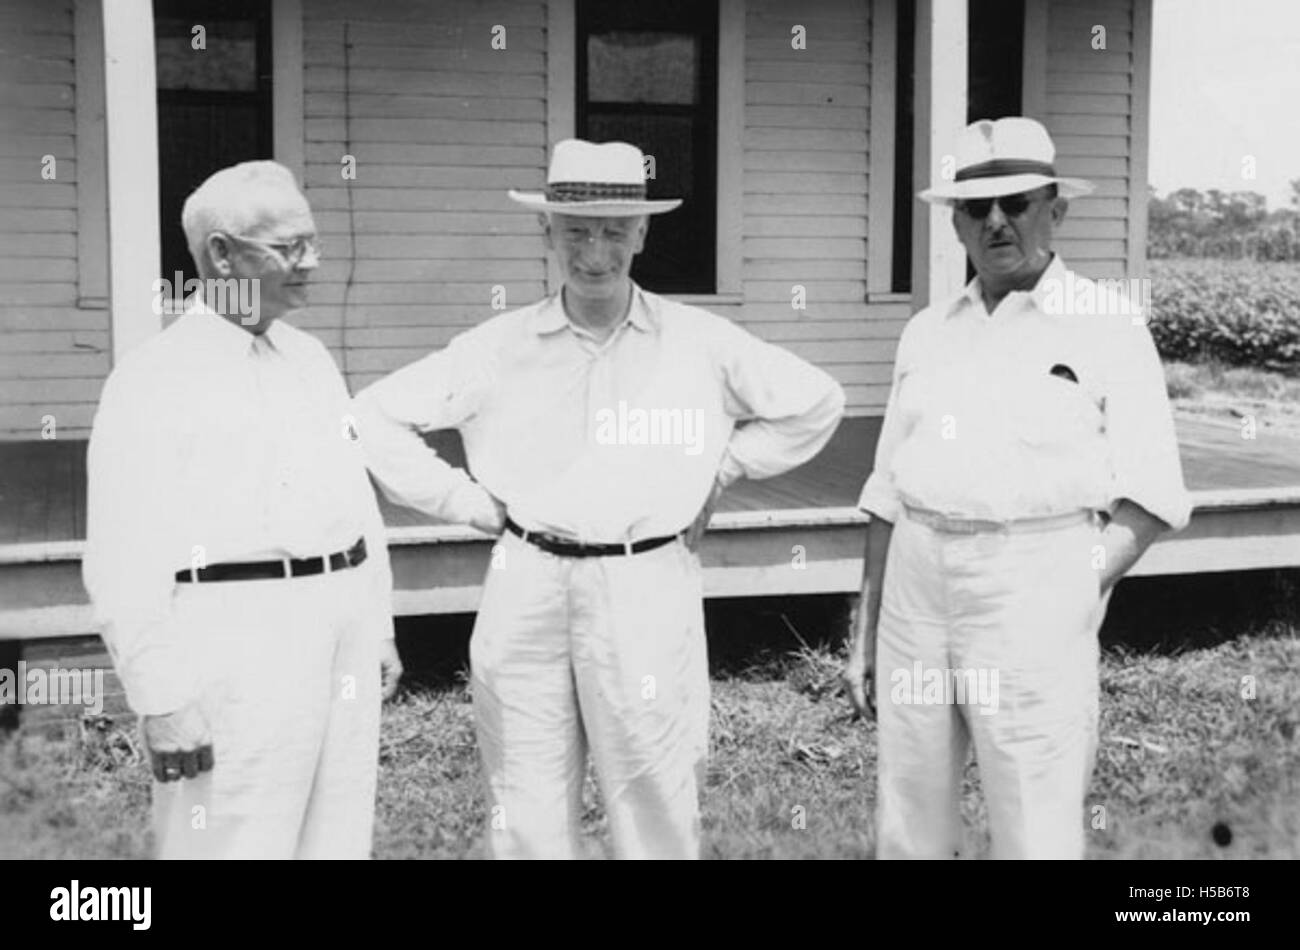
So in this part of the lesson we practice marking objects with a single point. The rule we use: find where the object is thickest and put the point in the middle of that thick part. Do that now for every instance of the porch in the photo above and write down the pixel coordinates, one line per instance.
(797, 534)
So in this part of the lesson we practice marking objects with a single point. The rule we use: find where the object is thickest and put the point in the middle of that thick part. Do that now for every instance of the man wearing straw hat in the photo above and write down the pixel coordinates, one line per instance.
(1026, 461)
(600, 424)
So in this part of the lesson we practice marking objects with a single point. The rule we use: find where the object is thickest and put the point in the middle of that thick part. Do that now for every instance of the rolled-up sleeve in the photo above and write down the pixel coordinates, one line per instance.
(879, 497)
(440, 391)
(788, 408)
(126, 566)
(1145, 465)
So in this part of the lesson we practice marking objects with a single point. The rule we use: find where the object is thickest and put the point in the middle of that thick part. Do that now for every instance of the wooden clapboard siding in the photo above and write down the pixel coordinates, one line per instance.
(54, 356)
(1095, 109)
(440, 125)
(806, 159)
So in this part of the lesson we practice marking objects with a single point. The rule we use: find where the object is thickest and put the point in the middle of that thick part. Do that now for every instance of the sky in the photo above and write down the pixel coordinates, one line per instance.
(1225, 84)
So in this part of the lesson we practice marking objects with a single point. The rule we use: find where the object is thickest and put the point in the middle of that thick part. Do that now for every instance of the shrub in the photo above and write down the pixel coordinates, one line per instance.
(1240, 313)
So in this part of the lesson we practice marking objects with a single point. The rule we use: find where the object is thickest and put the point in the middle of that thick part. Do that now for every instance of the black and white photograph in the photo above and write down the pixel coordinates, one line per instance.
(651, 429)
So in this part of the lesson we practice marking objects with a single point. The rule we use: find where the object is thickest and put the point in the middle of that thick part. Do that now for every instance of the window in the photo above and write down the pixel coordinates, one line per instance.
(214, 104)
(647, 74)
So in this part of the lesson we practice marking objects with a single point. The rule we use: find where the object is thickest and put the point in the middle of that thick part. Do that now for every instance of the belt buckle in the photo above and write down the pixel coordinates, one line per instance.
(287, 562)
(949, 523)
(561, 544)
(959, 525)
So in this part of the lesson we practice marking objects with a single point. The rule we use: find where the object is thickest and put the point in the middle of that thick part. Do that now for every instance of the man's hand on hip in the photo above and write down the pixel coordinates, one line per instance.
(180, 744)
(695, 533)
(482, 509)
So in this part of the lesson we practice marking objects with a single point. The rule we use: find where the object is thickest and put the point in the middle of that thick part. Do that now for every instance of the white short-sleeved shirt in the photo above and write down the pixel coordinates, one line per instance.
(1053, 403)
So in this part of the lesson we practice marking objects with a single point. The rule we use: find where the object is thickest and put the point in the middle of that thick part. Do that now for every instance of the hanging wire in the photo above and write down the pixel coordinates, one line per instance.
(352, 225)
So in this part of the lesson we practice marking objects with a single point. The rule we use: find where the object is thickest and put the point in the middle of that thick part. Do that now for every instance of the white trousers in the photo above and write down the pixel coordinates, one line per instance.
(601, 654)
(1021, 611)
(290, 673)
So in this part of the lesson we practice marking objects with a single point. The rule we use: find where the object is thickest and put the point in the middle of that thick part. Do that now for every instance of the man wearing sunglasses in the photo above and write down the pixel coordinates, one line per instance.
(1026, 461)
(235, 554)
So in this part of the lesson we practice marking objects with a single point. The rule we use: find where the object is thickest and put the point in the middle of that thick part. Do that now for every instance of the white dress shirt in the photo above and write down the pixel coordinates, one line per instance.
(978, 426)
(211, 445)
(561, 428)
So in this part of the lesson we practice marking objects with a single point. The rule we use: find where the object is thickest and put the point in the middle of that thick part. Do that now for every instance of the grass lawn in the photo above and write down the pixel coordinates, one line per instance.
(1181, 749)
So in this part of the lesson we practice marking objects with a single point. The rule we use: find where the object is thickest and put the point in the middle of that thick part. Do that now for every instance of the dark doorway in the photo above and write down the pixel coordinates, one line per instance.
(995, 68)
(904, 135)
(214, 102)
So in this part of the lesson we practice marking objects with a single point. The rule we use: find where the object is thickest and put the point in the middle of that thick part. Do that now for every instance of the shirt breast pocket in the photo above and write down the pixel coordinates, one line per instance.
(1052, 409)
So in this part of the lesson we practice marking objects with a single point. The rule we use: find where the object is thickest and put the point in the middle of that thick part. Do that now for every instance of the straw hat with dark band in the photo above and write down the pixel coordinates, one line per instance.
(595, 180)
(1004, 157)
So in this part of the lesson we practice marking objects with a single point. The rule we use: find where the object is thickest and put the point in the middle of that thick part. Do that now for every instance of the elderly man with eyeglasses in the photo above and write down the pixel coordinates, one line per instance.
(235, 554)
(1026, 461)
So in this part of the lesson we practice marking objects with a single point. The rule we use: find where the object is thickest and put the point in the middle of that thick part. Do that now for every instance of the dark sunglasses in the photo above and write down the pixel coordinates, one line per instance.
(1011, 205)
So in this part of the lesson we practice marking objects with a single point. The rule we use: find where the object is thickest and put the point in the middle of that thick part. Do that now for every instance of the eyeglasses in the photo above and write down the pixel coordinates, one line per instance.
(291, 252)
(1011, 205)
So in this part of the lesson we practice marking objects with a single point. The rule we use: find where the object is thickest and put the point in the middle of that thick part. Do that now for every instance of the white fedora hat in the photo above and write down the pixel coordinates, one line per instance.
(605, 180)
(1003, 157)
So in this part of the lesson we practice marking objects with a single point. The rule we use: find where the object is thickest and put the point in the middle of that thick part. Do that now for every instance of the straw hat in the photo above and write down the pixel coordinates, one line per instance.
(1003, 157)
(595, 180)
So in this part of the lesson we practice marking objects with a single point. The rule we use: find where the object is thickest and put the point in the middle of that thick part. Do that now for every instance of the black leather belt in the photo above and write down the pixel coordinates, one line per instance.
(566, 548)
(288, 567)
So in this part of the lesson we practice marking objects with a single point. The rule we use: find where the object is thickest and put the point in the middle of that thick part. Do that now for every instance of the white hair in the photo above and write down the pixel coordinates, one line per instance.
(229, 200)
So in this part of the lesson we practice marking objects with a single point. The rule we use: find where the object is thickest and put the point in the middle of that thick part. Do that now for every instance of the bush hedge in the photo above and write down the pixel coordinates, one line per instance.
(1240, 313)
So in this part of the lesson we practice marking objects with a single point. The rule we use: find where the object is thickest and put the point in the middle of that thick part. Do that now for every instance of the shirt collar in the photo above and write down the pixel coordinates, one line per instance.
(280, 336)
(550, 316)
(1053, 274)
(220, 334)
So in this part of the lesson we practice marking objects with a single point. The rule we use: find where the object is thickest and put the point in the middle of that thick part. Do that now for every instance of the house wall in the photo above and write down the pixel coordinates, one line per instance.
(806, 159)
(1092, 98)
(440, 124)
(54, 355)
